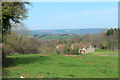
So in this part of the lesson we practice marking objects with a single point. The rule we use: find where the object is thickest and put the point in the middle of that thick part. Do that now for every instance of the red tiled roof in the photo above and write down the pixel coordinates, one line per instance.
(60, 46)
(78, 45)
(75, 45)
(81, 45)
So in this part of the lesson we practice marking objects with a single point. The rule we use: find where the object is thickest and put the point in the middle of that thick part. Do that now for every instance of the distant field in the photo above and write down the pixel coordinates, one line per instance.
(91, 65)
(52, 37)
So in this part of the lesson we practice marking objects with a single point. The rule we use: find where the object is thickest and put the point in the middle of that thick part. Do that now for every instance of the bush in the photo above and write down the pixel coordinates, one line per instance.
(32, 46)
(6, 48)
(57, 51)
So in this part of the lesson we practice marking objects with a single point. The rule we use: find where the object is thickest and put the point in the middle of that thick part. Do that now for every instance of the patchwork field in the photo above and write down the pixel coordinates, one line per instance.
(91, 65)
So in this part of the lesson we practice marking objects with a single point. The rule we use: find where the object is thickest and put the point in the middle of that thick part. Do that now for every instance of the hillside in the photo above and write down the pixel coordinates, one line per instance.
(67, 31)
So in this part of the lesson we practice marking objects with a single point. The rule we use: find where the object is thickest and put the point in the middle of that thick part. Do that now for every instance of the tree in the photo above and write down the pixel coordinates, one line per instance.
(109, 32)
(105, 44)
(65, 50)
(13, 12)
(20, 41)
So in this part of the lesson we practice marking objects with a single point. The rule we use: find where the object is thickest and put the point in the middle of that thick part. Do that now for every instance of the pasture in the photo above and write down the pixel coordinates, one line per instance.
(91, 65)
(52, 37)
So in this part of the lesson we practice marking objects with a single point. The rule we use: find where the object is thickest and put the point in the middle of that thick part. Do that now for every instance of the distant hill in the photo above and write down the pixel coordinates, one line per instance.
(67, 31)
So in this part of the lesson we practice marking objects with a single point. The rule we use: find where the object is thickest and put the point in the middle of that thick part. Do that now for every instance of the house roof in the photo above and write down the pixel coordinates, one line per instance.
(60, 46)
(81, 45)
(78, 45)
(75, 45)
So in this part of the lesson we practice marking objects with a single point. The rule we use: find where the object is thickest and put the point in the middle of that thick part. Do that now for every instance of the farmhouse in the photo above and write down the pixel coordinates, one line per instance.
(82, 48)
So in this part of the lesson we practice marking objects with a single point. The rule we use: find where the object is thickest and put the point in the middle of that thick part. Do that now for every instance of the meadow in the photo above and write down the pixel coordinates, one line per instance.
(100, 64)
(52, 37)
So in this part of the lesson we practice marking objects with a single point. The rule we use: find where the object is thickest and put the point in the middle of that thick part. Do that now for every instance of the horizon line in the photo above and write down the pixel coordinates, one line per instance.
(71, 29)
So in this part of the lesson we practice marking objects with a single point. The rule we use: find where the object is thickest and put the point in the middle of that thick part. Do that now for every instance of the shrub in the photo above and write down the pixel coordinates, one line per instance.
(57, 51)
(7, 49)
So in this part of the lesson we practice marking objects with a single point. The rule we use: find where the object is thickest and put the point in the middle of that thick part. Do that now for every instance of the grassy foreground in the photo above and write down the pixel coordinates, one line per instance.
(91, 65)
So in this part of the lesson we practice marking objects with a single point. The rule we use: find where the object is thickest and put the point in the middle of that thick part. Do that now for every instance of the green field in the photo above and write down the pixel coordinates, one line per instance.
(52, 37)
(91, 65)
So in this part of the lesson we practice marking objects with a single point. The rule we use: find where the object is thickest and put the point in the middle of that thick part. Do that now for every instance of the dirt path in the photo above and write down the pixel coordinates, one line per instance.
(44, 55)
(73, 55)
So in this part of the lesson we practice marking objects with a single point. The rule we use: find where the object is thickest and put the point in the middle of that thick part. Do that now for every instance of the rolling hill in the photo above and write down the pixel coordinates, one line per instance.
(67, 31)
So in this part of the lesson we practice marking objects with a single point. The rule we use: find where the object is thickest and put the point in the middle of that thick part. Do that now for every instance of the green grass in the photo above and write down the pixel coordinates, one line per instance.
(106, 52)
(59, 66)
(52, 37)
(103, 50)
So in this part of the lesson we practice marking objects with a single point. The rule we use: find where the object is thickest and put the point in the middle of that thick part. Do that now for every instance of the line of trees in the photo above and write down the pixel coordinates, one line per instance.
(20, 42)
(102, 40)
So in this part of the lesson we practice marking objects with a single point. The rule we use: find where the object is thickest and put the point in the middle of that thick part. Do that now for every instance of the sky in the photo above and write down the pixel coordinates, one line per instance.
(72, 15)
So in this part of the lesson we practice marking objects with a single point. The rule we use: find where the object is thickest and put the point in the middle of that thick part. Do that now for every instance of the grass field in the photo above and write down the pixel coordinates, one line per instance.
(52, 37)
(91, 65)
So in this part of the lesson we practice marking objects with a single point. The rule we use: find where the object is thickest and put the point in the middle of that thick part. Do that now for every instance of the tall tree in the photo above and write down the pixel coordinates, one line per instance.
(13, 12)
